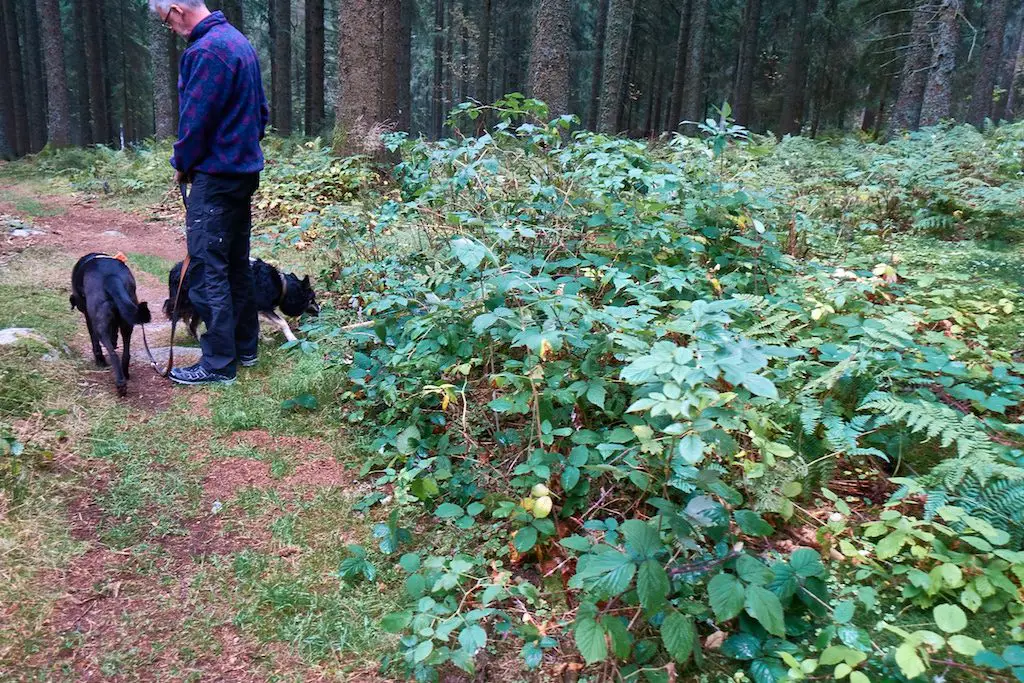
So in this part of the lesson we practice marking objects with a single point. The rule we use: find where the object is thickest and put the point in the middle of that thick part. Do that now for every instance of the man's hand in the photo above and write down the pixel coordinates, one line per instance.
(180, 177)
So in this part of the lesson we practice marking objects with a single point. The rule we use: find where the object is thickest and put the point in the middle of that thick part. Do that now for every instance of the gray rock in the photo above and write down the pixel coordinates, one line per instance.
(26, 232)
(12, 335)
(113, 233)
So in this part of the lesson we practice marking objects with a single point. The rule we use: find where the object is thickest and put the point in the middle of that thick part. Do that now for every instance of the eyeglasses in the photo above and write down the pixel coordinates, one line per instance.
(166, 20)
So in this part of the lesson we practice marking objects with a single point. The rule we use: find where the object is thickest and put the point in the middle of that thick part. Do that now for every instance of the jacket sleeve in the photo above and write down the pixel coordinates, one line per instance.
(205, 87)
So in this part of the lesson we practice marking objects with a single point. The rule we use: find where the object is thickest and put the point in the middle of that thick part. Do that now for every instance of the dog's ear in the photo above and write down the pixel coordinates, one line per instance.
(305, 280)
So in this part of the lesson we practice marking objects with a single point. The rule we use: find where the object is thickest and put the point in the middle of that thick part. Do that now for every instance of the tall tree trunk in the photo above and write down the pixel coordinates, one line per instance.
(437, 108)
(58, 120)
(549, 54)
(35, 83)
(991, 52)
(693, 89)
(657, 124)
(165, 88)
(449, 57)
(281, 66)
(404, 118)
(314, 114)
(1009, 69)
(7, 135)
(464, 70)
(21, 142)
(795, 85)
(653, 82)
(938, 91)
(824, 75)
(368, 54)
(234, 13)
(483, 62)
(679, 74)
(77, 60)
(616, 51)
(94, 67)
(595, 82)
(907, 112)
(742, 97)
(1012, 92)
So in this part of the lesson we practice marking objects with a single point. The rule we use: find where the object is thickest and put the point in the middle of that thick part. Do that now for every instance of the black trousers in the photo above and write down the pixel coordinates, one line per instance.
(219, 227)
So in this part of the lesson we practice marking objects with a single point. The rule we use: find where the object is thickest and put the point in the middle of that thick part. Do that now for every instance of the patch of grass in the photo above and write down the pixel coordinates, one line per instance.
(30, 206)
(154, 265)
(43, 310)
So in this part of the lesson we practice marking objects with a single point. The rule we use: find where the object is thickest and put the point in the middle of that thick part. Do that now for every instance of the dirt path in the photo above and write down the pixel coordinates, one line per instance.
(156, 609)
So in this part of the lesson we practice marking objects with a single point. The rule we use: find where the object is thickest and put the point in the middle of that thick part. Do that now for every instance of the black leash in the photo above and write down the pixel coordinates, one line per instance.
(174, 310)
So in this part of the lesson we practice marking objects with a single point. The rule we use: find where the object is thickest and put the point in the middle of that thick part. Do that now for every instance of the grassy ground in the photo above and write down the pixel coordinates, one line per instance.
(197, 541)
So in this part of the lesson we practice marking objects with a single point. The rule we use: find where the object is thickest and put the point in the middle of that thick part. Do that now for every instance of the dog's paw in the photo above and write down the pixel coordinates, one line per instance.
(122, 390)
(101, 361)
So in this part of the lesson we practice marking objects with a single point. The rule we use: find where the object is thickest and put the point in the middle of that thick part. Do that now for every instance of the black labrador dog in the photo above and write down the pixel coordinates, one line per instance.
(272, 288)
(103, 288)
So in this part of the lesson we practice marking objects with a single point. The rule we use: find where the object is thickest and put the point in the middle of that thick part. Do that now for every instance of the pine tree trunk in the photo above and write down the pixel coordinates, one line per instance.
(58, 120)
(94, 69)
(404, 118)
(617, 33)
(5, 148)
(907, 111)
(1013, 94)
(679, 74)
(549, 54)
(449, 58)
(742, 97)
(483, 62)
(693, 89)
(595, 83)
(6, 96)
(35, 83)
(164, 88)
(938, 90)
(314, 105)
(368, 54)
(437, 108)
(464, 70)
(234, 13)
(77, 60)
(21, 142)
(1009, 69)
(281, 66)
(795, 85)
(991, 52)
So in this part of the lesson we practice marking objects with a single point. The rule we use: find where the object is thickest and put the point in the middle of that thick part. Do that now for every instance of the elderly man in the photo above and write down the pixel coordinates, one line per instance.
(223, 115)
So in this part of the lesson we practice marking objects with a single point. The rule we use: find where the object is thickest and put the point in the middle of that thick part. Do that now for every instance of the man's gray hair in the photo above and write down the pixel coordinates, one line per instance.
(161, 6)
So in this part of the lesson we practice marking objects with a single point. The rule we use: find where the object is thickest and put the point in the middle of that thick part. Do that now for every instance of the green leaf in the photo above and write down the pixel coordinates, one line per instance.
(596, 394)
(407, 440)
(474, 509)
(410, 562)
(725, 593)
(691, 449)
(570, 477)
(525, 539)
(1014, 655)
(752, 570)
(678, 636)
(909, 661)
(806, 563)
(652, 586)
(642, 539)
(765, 606)
(473, 638)
(422, 651)
(751, 523)
(742, 646)
(578, 543)
(990, 660)
(590, 641)
(965, 646)
(759, 386)
(469, 252)
(949, 618)
(844, 612)
(449, 511)
(396, 622)
(859, 677)
(891, 545)
(619, 635)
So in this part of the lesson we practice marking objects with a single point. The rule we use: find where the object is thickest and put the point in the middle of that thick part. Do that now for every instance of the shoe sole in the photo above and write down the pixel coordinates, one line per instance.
(248, 363)
(193, 383)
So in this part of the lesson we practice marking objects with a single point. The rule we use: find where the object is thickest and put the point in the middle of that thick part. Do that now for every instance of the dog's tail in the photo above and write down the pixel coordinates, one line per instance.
(131, 312)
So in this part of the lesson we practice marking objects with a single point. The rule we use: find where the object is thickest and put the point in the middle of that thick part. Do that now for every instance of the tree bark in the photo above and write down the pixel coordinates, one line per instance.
(617, 32)
(404, 66)
(549, 54)
(906, 114)
(437, 108)
(679, 74)
(795, 85)
(483, 85)
(94, 68)
(165, 90)
(21, 142)
(1009, 68)
(693, 89)
(367, 60)
(314, 109)
(281, 66)
(35, 83)
(77, 61)
(58, 120)
(8, 133)
(1012, 94)
(595, 82)
(742, 97)
(991, 52)
(938, 90)
(233, 11)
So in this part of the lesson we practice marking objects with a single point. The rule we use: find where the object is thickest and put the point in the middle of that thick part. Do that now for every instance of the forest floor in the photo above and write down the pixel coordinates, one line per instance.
(180, 534)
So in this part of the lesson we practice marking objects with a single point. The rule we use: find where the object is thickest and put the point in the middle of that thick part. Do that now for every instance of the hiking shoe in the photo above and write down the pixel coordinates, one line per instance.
(248, 361)
(197, 374)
